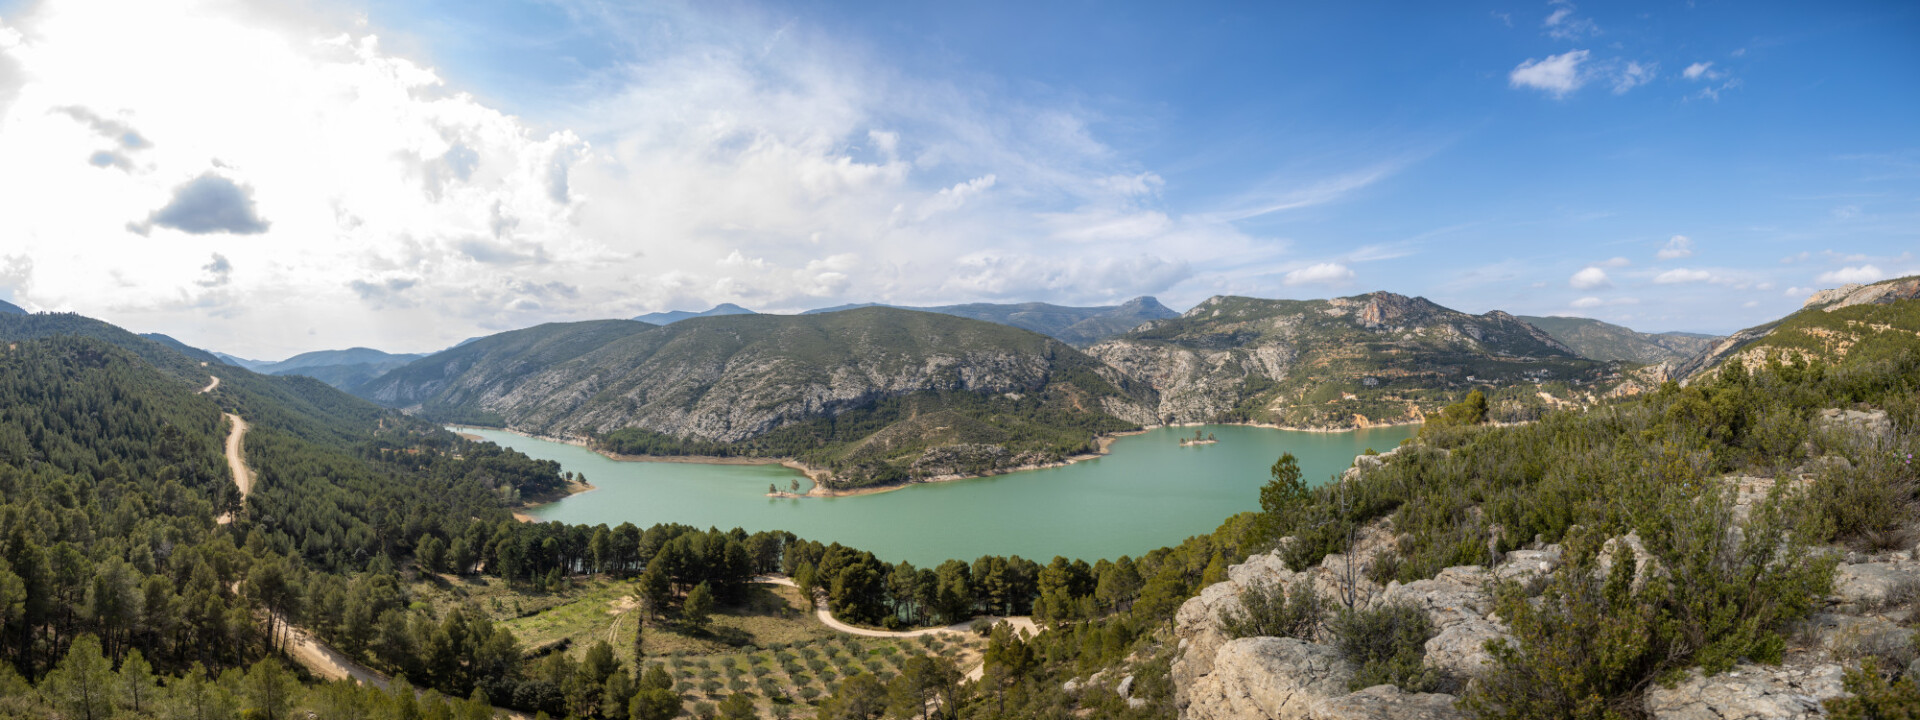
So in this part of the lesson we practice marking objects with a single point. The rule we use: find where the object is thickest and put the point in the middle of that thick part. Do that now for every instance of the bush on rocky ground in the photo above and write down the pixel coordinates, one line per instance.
(1272, 610)
(1388, 646)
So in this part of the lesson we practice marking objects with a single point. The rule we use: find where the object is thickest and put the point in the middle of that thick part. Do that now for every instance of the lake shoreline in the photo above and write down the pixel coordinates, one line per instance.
(1147, 493)
(815, 475)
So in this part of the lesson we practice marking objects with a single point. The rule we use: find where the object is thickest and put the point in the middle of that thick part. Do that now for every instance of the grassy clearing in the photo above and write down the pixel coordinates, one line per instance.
(444, 592)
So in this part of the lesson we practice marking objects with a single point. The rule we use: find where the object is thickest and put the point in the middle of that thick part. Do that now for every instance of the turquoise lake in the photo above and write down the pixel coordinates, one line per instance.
(1148, 492)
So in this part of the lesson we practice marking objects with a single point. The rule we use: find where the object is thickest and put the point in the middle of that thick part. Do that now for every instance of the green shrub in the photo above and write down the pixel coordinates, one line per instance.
(1389, 646)
(1593, 641)
(1269, 610)
(1875, 697)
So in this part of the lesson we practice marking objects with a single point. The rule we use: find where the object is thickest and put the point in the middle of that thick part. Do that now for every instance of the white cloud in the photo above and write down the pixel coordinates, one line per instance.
(1555, 75)
(1682, 275)
(1588, 302)
(1589, 279)
(1320, 274)
(1678, 246)
(1700, 71)
(380, 200)
(1860, 274)
(1562, 24)
(1633, 75)
(1846, 212)
(1615, 262)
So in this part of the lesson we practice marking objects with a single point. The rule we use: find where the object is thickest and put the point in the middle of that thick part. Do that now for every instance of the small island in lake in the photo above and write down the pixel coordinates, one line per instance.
(1198, 439)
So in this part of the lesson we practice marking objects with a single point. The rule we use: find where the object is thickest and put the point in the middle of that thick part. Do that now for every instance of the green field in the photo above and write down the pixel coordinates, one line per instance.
(770, 644)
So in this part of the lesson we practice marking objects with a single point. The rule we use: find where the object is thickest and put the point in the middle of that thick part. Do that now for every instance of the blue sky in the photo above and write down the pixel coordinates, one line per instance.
(1695, 166)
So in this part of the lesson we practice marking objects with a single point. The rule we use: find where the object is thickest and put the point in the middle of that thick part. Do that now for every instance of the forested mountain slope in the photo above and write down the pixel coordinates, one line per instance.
(866, 392)
(1343, 362)
(1853, 321)
(1596, 340)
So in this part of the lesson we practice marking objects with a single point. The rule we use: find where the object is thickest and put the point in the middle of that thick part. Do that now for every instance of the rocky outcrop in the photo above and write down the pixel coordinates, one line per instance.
(1386, 702)
(1748, 692)
(1853, 294)
(1216, 677)
(1862, 427)
(1267, 677)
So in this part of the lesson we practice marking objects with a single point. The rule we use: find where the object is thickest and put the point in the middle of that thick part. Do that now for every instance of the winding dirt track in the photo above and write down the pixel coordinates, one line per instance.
(236, 442)
(317, 657)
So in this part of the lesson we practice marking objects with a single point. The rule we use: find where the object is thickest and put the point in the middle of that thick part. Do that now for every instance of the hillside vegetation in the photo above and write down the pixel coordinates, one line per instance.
(1596, 340)
(868, 393)
(1344, 362)
(1855, 321)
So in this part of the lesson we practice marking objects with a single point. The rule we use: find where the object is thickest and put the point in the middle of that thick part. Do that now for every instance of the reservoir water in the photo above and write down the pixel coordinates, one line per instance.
(1148, 492)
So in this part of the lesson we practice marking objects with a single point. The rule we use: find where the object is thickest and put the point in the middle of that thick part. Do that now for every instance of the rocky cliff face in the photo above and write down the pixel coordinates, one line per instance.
(1361, 360)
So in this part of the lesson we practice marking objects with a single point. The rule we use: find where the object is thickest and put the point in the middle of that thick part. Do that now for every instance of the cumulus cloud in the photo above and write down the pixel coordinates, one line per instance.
(1556, 75)
(1860, 274)
(360, 198)
(1614, 262)
(207, 204)
(1683, 275)
(1591, 278)
(1678, 246)
(1319, 274)
(1588, 302)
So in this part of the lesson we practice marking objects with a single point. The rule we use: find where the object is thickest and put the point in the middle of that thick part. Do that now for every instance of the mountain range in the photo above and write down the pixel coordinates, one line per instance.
(864, 392)
(1077, 326)
(339, 368)
(1353, 361)
(1598, 340)
(674, 316)
(877, 393)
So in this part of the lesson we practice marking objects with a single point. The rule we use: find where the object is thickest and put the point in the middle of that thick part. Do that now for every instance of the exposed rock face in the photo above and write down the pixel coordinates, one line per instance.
(1266, 677)
(1875, 584)
(1862, 426)
(1853, 294)
(1748, 692)
(1220, 678)
(1386, 702)
(1459, 604)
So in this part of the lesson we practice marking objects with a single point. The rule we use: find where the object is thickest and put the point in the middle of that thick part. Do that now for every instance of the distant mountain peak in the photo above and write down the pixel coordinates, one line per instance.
(673, 316)
(7, 308)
